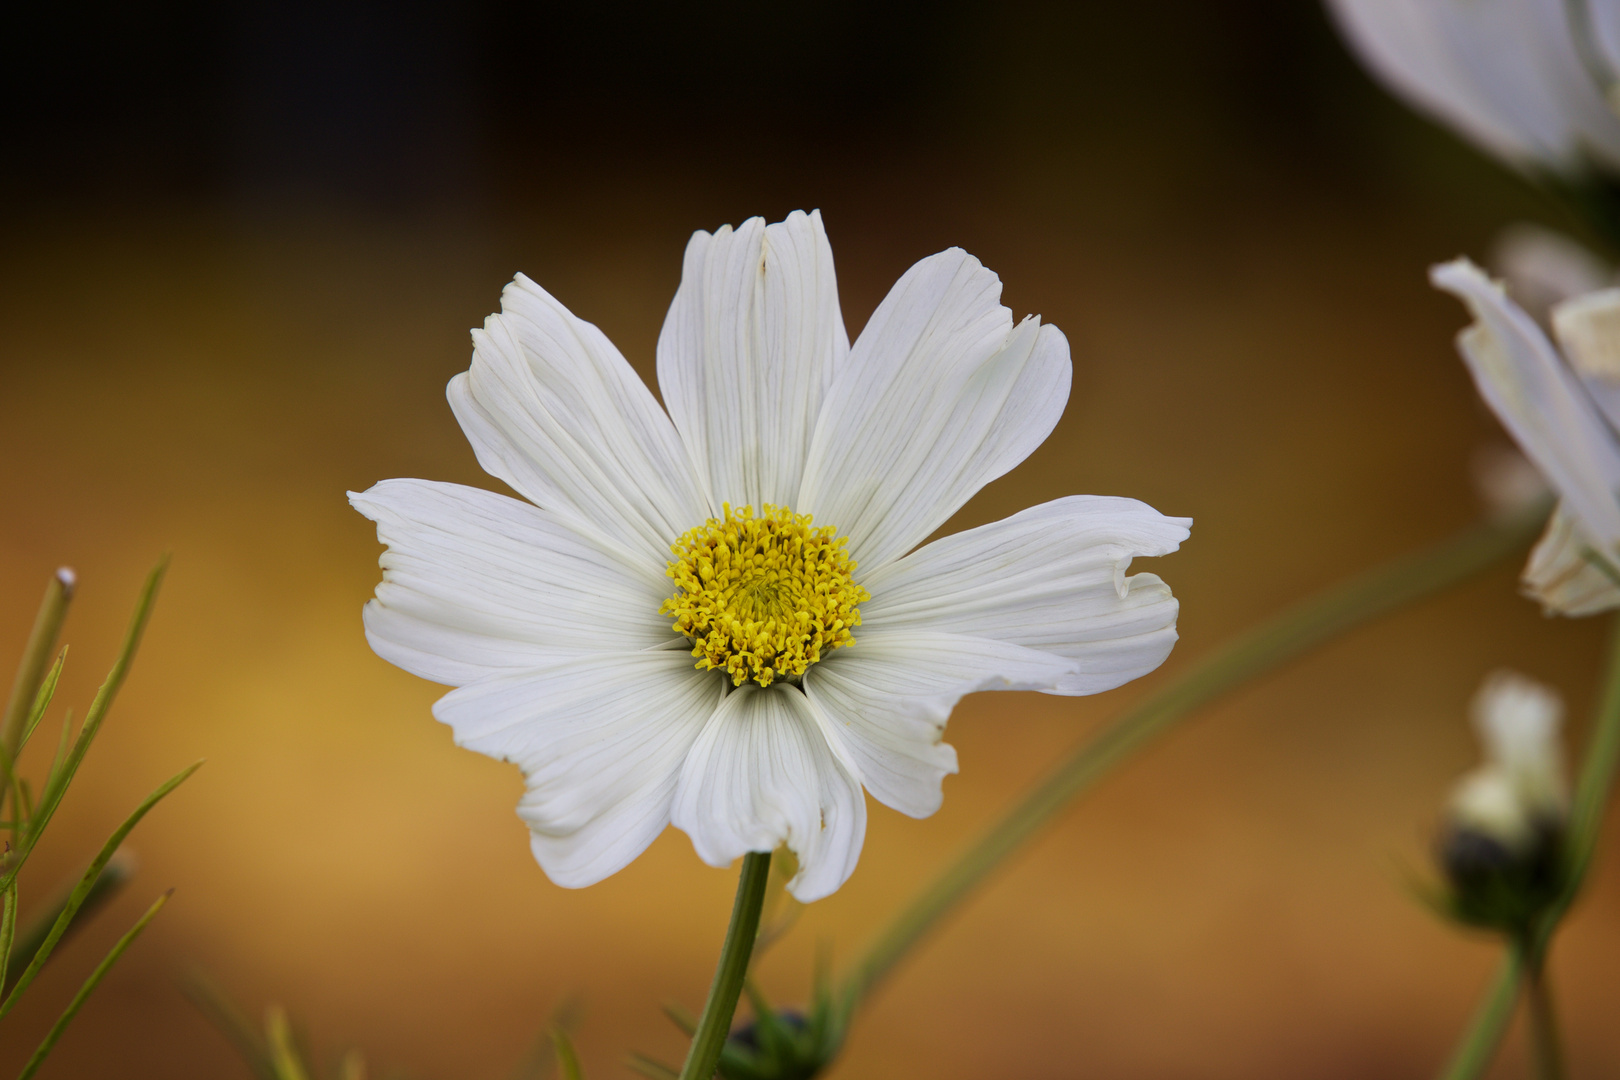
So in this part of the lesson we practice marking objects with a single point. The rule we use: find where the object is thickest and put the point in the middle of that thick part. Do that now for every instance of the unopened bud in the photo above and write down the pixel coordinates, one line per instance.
(1502, 844)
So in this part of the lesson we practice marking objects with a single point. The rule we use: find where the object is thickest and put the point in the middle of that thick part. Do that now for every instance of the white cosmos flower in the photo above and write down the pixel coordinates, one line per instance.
(1520, 787)
(1528, 80)
(828, 654)
(1563, 409)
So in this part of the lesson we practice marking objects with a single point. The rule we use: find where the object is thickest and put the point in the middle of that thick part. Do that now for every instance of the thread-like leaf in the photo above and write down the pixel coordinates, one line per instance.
(289, 1064)
(8, 925)
(212, 1002)
(113, 877)
(89, 987)
(42, 700)
(57, 785)
(87, 883)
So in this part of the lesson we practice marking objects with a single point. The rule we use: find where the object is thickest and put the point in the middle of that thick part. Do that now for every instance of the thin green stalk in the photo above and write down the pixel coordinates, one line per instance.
(1546, 1049)
(1294, 632)
(715, 1024)
(8, 925)
(89, 987)
(1478, 1044)
(1592, 788)
(35, 659)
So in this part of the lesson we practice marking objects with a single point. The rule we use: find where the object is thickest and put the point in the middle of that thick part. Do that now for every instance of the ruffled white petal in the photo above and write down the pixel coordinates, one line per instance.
(1051, 577)
(476, 583)
(1560, 575)
(601, 740)
(551, 408)
(941, 395)
(885, 700)
(1540, 400)
(762, 773)
(1504, 72)
(752, 341)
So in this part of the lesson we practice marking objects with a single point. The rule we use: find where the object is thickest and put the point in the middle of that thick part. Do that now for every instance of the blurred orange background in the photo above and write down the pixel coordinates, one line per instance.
(242, 250)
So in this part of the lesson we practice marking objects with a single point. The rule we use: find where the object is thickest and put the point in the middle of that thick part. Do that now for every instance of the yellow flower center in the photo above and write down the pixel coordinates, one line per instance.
(765, 597)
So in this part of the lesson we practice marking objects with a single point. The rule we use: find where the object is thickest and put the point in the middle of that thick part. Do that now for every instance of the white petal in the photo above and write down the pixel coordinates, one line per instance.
(941, 395)
(747, 352)
(885, 700)
(1505, 72)
(1560, 575)
(551, 408)
(1539, 400)
(1518, 719)
(476, 583)
(1052, 578)
(761, 774)
(601, 740)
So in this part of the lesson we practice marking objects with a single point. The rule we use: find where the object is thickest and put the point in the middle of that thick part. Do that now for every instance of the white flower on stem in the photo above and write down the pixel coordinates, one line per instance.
(1563, 409)
(1519, 792)
(720, 617)
(1530, 81)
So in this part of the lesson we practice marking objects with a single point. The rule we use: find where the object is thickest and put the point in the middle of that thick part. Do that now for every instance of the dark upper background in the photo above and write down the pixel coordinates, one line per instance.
(242, 247)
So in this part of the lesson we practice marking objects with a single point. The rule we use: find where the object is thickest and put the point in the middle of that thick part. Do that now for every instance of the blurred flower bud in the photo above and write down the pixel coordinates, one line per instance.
(782, 1045)
(1501, 847)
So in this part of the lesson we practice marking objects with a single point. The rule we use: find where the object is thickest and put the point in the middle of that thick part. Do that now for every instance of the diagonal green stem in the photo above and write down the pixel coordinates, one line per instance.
(715, 1024)
(1478, 1044)
(1282, 638)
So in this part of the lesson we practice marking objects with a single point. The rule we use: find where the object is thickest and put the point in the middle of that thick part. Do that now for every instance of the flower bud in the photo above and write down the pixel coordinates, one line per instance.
(1502, 844)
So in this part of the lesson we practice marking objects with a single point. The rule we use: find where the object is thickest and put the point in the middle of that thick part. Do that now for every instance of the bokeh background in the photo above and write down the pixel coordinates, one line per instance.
(240, 248)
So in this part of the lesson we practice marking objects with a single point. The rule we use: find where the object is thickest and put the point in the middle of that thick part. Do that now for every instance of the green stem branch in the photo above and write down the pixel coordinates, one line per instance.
(715, 1024)
(1275, 642)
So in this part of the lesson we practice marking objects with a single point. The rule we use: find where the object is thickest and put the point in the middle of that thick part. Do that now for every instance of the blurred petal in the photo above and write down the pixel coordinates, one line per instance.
(1539, 400)
(762, 773)
(476, 583)
(942, 394)
(1504, 72)
(551, 408)
(750, 346)
(601, 740)
(1050, 578)
(1560, 575)
(1588, 330)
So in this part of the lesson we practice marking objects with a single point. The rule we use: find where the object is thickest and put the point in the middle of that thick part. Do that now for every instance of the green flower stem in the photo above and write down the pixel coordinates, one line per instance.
(1526, 959)
(715, 1024)
(1546, 1050)
(35, 660)
(1282, 638)
(1478, 1045)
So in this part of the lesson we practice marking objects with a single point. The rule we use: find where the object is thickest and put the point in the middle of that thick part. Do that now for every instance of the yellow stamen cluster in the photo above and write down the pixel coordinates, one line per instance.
(765, 597)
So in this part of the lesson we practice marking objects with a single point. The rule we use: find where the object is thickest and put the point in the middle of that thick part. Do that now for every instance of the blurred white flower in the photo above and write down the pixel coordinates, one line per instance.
(1528, 80)
(828, 654)
(1563, 409)
(1519, 792)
